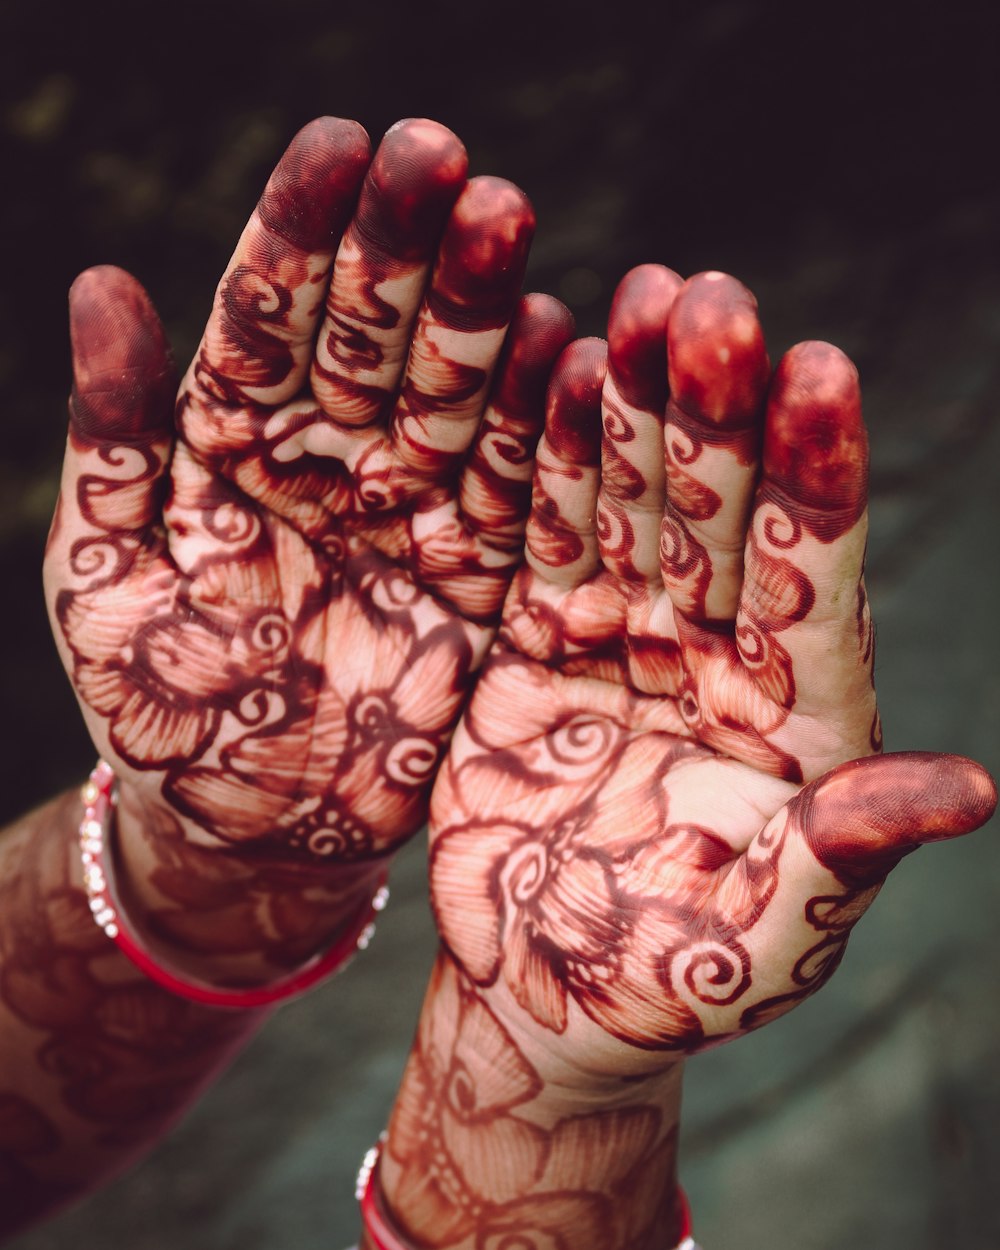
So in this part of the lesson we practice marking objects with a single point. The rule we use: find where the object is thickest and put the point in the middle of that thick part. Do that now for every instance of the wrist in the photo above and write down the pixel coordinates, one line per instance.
(215, 916)
(485, 1143)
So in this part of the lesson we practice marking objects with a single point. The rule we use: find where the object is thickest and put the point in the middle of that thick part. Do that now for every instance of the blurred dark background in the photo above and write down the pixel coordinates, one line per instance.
(841, 160)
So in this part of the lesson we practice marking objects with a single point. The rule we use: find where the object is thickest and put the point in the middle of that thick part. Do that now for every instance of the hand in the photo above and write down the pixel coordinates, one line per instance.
(271, 612)
(639, 848)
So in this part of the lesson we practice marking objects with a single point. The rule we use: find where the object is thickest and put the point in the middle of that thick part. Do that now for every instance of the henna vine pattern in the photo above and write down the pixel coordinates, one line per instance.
(476, 1165)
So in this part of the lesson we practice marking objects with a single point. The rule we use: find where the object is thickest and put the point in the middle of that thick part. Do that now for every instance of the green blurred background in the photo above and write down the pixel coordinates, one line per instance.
(840, 159)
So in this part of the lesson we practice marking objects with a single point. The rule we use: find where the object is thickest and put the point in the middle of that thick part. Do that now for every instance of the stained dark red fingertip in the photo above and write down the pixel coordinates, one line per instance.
(484, 253)
(414, 179)
(718, 363)
(124, 380)
(863, 817)
(541, 328)
(573, 410)
(311, 195)
(815, 444)
(637, 335)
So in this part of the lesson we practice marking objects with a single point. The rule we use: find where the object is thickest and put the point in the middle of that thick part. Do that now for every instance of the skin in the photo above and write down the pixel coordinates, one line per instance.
(272, 597)
(664, 809)
(270, 589)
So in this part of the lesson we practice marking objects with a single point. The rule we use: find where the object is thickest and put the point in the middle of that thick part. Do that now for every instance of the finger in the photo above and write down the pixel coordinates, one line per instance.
(861, 819)
(461, 326)
(495, 487)
(259, 340)
(804, 630)
(124, 384)
(718, 370)
(104, 548)
(813, 871)
(382, 267)
(631, 498)
(562, 525)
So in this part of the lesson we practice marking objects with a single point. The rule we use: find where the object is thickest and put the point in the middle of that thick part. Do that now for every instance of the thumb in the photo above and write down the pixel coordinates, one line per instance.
(124, 380)
(812, 871)
(120, 433)
(121, 413)
(861, 819)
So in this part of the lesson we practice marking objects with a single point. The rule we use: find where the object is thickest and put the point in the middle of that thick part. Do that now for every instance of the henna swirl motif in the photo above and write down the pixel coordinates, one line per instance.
(714, 973)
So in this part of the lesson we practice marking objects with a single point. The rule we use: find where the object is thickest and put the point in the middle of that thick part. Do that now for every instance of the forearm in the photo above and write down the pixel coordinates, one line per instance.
(96, 1062)
(487, 1143)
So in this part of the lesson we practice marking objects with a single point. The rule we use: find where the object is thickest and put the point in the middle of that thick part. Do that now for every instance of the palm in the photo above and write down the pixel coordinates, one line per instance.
(272, 617)
(612, 816)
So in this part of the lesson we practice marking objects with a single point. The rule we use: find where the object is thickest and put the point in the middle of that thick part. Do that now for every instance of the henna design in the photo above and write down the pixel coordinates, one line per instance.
(684, 562)
(111, 1060)
(272, 612)
(468, 1162)
(597, 861)
(570, 900)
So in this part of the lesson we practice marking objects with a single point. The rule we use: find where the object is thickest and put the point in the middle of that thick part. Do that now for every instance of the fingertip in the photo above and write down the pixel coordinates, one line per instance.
(573, 409)
(542, 326)
(637, 335)
(960, 794)
(124, 380)
(815, 443)
(484, 252)
(311, 194)
(717, 360)
(412, 183)
(860, 819)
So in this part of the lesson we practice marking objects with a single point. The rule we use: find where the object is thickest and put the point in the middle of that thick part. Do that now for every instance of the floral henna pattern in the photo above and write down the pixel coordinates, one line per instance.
(616, 838)
(272, 611)
(575, 881)
(476, 1169)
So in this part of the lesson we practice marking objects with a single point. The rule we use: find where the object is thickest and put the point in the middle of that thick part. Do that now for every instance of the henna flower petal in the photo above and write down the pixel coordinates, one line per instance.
(506, 1156)
(353, 641)
(504, 1078)
(430, 687)
(229, 807)
(188, 658)
(99, 624)
(576, 912)
(638, 1009)
(630, 807)
(521, 703)
(529, 974)
(102, 688)
(596, 1150)
(463, 874)
(300, 758)
(148, 734)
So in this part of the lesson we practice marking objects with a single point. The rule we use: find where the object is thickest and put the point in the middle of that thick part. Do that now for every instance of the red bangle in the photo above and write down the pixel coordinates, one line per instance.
(383, 1236)
(100, 795)
(379, 1230)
